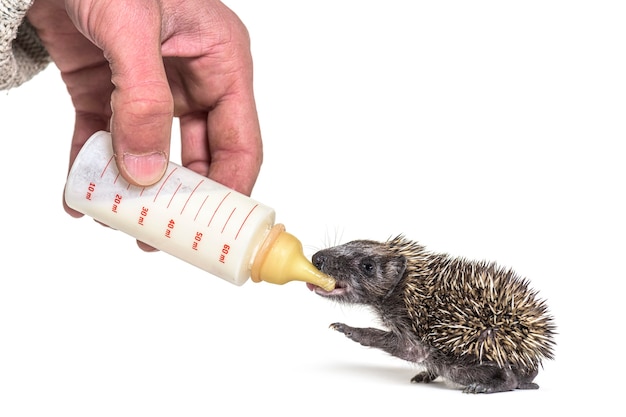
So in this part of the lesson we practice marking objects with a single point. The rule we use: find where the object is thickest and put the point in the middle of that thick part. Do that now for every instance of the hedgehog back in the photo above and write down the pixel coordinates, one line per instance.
(475, 310)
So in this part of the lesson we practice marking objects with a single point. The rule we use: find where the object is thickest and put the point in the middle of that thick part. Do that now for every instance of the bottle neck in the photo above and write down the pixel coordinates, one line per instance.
(280, 259)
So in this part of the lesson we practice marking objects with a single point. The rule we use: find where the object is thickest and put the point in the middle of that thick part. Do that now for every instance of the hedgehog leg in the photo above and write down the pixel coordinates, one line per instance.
(386, 341)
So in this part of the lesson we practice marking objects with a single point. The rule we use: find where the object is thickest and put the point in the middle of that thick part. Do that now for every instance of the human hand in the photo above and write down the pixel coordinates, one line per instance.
(130, 66)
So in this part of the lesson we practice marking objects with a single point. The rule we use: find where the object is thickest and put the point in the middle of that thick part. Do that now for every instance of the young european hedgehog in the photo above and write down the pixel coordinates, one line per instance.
(473, 323)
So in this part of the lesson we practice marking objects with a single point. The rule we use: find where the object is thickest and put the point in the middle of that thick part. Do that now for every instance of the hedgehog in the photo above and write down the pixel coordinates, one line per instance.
(473, 323)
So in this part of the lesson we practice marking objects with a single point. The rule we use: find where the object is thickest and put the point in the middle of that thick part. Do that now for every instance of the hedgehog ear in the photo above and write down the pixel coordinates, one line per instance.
(399, 266)
(394, 273)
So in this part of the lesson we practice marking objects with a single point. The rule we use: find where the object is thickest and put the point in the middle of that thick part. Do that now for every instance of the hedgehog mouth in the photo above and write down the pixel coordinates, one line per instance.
(337, 291)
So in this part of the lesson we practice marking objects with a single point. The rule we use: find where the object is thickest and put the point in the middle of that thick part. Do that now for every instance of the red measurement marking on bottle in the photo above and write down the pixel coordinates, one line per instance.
(142, 216)
(188, 198)
(245, 220)
(116, 177)
(196, 241)
(201, 205)
(217, 209)
(225, 250)
(228, 219)
(177, 188)
(90, 189)
(170, 227)
(163, 184)
(116, 202)
(106, 167)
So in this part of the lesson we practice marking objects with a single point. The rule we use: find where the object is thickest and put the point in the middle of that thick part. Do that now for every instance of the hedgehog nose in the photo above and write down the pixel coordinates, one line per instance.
(319, 260)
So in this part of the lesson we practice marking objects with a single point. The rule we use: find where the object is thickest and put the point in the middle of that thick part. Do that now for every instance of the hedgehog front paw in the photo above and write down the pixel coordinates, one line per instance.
(342, 328)
(424, 377)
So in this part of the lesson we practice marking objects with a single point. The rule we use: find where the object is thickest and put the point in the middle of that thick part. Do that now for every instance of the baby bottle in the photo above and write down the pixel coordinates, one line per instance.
(191, 217)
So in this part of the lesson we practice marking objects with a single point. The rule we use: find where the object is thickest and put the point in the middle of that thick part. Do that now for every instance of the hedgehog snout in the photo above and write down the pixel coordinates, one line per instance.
(319, 260)
(325, 263)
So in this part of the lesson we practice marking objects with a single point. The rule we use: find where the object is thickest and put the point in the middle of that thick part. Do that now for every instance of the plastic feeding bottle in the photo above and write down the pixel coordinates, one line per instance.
(191, 217)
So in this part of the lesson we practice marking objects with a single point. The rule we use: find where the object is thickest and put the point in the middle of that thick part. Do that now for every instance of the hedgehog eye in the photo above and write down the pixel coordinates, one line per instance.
(367, 265)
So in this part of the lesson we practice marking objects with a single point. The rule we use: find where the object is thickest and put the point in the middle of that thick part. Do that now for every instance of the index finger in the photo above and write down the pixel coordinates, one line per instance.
(229, 141)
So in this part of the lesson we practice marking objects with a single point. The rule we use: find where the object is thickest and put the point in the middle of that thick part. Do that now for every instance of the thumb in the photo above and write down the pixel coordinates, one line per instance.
(142, 104)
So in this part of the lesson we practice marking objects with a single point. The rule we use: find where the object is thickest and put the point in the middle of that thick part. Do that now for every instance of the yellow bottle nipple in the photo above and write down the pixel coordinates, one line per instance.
(280, 259)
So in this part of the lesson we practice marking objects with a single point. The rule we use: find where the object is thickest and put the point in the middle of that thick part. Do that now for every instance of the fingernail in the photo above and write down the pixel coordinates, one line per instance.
(145, 169)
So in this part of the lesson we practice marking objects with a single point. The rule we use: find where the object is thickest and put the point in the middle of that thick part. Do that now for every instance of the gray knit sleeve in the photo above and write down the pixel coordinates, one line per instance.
(22, 55)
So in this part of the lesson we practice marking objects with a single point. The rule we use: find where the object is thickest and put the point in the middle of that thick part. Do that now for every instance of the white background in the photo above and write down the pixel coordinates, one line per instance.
(488, 129)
